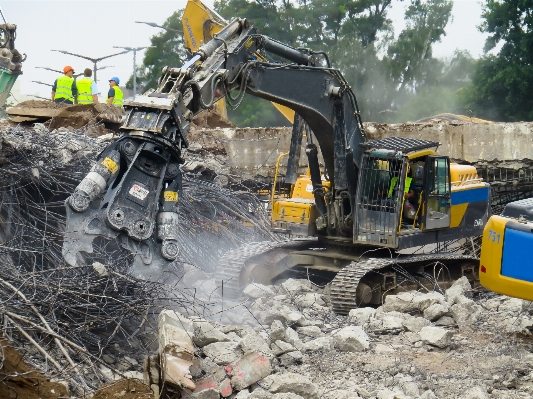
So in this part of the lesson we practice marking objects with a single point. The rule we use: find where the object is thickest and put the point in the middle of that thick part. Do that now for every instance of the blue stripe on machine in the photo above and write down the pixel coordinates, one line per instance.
(467, 196)
(516, 260)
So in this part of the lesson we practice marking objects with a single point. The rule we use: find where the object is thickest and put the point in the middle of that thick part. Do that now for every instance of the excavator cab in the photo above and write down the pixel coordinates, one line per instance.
(409, 196)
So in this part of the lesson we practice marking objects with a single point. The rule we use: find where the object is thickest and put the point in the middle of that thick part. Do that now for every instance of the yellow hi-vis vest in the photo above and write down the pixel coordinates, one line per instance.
(64, 88)
(117, 100)
(84, 90)
(393, 182)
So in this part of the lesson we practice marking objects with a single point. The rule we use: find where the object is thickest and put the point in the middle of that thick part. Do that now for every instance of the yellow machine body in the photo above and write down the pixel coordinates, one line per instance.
(297, 215)
(200, 23)
(506, 265)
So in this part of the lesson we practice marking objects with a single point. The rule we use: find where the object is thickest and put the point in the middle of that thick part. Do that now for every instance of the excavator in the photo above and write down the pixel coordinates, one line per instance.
(386, 199)
(506, 266)
(10, 59)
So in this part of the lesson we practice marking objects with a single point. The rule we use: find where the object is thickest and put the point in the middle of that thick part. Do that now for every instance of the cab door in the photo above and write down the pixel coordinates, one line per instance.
(437, 193)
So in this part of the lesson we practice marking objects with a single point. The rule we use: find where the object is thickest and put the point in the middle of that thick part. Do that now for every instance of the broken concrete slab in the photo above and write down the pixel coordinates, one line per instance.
(436, 311)
(291, 382)
(223, 353)
(277, 331)
(249, 369)
(319, 344)
(459, 287)
(465, 313)
(341, 394)
(436, 336)
(295, 286)
(415, 324)
(175, 371)
(360, 316)
(253, 342)
(256, 290)
(206, 333)
(351, 339)
(280, 347)
(309, 299)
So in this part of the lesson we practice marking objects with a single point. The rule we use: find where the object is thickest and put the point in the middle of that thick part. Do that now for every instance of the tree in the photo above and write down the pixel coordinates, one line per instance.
(502, 83)
(166, 50)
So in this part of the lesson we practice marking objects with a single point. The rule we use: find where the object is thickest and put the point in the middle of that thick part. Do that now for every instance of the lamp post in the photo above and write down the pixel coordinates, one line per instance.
(134, 49)
(93, 60)
(42, 83)
(154, 25)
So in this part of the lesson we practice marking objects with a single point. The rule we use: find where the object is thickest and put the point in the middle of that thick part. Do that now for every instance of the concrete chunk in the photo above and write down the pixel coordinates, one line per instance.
(291, 382)
(277, 331)
(436, 336)
(256, 290)
(223, 353)
(465, 313)
(351, 339)
(436, 311)
(403, 302)
(281, 347)
(360, 316)
(249, 369)
(319, 344)
(253, 342)
(175, 371)
(296, 286)
(310, 299)
(459, 287)
(415, 324)
(205, 333)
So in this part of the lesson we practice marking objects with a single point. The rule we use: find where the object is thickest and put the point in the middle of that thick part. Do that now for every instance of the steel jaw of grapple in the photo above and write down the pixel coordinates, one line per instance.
(131, 193)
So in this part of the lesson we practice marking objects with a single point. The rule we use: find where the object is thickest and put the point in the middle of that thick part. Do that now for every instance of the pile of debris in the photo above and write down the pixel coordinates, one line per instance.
(288, 344)
(94, 119)
(83, 326)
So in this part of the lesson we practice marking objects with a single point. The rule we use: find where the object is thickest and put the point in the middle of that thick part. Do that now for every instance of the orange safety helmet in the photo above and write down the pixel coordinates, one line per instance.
(68, 68)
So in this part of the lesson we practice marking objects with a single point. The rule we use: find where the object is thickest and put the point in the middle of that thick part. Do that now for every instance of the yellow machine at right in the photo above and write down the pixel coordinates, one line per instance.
(506, 264)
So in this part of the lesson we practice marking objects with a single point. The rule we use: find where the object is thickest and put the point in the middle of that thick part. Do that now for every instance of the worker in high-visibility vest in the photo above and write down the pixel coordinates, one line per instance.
(64, 89)
(87, 88)
(115, 95)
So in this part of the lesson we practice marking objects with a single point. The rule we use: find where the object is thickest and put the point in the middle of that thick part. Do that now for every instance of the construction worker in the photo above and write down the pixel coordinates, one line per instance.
(64, 89)
(87, 88)
(115, 95)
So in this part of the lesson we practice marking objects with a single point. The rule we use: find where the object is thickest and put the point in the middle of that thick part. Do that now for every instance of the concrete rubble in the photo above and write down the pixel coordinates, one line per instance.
(418, 345)
(283, 340)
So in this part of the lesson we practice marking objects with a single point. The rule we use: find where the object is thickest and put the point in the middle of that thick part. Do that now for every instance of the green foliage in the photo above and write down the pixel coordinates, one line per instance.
(386, 73)
(166, 50)
(502, 84)
(395, 79)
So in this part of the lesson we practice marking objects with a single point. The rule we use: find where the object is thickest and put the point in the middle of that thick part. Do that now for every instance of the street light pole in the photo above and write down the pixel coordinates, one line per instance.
(134, 49)
(154, 25)
(94, 60)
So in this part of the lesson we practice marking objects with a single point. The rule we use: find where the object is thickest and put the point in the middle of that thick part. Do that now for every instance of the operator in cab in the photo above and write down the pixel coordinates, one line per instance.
(115, 96)
(64, 89)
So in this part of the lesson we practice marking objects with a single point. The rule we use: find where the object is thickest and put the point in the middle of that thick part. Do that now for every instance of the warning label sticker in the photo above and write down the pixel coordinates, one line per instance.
(138, 192)
(110, 165)
(309, 188)
(170, 196)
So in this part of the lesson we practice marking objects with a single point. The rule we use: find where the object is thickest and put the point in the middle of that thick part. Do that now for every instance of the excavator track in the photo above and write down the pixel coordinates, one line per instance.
(228, 273)
(344, 287)
(353, 283)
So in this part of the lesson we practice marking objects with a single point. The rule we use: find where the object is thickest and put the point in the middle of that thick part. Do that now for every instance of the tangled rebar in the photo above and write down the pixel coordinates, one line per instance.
(86, 324)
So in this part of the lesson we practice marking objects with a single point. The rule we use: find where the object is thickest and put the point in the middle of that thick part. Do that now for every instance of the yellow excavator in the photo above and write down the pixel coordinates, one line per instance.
(506, 265)
(385, 198)
(200, 25)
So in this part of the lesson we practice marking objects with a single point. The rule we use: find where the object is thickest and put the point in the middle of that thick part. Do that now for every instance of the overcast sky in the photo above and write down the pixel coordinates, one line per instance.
(92, 28)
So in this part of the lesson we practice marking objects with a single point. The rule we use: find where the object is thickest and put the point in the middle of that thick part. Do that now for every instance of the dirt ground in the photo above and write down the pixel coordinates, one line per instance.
(125, 389)
(19, 381)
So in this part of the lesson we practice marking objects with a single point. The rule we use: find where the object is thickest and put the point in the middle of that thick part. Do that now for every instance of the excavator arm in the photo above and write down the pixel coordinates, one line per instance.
(132, 192)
